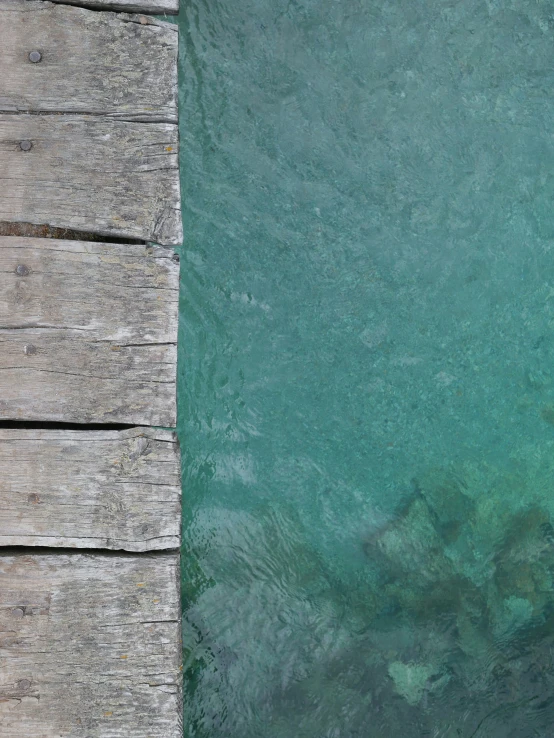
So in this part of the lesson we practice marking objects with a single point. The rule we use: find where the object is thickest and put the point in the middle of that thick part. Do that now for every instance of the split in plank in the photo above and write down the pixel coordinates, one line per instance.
(90, 646)
(88, 332)
(104, 64)
(91, 174)
(90, 489)
(131, 6)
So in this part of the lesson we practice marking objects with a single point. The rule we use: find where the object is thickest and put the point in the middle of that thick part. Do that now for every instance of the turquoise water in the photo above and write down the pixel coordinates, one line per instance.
(367, 368)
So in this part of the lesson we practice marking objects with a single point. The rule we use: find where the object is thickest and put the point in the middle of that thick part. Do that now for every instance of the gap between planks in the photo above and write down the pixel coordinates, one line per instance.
(169, 7)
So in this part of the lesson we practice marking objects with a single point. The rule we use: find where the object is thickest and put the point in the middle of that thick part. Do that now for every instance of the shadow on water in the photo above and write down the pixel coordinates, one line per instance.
(366, 389)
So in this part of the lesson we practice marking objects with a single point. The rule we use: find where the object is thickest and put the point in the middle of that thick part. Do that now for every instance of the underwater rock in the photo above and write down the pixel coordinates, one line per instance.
(411, 680)
(517, 612)
(450, 507)
(474, 553)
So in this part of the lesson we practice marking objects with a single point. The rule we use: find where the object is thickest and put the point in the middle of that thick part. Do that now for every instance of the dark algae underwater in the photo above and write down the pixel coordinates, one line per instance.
(366, 368)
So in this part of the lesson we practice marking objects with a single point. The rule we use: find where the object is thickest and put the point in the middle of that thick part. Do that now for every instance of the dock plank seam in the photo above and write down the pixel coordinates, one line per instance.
(156, 7)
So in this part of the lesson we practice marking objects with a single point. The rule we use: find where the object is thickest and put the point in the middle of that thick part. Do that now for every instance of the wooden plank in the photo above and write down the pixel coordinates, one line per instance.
(170, 7)
(124, 292)
(60, 376)
(92, 174)
(90, 489)
(89, 646)
(105, 64)
(88, 332)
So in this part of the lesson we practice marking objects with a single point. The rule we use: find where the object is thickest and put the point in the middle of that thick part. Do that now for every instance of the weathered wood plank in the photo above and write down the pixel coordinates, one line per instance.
(90, 489)
(88, 332)
(131, 6)
(89, 646)
(119, 66)
(91, 174)
(63, 376)
(123, 292)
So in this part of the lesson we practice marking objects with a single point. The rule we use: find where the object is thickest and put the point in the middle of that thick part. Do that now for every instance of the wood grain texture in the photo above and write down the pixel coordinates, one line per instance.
(92, 174)
(118, 292)
(90, 489)
(90, 646)
(106, 64)
(63, 376)
(131, 6)
(88, 332)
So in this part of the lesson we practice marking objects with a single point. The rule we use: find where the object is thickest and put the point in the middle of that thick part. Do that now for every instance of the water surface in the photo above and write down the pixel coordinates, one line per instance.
(366, 368)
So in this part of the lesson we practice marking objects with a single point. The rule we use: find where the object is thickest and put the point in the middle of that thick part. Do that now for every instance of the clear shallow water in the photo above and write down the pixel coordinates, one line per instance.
(367, 368)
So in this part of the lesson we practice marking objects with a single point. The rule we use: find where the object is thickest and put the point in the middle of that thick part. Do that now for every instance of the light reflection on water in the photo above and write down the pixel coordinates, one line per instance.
(366, 387)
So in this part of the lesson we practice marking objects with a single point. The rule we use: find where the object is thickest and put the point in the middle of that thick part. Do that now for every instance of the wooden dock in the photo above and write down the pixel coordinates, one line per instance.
(90, 494)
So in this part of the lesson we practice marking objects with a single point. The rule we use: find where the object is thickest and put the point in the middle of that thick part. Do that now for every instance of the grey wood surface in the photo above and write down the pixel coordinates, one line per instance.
(119, 292)
(105, 64)
(92, 174)
(131, 6)
(90, 489)
(54, 375)
(89, 646)
(88, 332)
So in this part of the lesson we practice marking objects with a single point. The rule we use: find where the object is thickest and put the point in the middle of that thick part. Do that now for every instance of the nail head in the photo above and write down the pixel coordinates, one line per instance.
(17, 612)
(25, 145)
(35, 57)
(30, 350)
(24, 684)
(21, 270)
